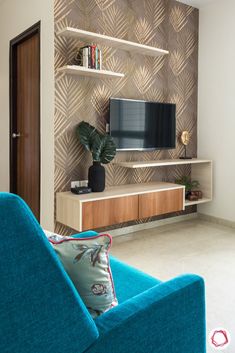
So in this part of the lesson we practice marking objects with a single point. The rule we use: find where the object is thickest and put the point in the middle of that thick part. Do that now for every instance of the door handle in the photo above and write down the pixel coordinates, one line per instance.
(15, 135)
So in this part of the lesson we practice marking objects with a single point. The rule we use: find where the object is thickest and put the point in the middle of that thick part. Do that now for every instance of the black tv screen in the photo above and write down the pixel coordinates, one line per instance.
(141, 125)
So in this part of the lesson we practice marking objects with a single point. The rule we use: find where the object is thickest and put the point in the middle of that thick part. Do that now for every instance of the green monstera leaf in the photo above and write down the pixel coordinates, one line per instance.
(86, 134)
(101, 146)
(108, 151)
(103, 149)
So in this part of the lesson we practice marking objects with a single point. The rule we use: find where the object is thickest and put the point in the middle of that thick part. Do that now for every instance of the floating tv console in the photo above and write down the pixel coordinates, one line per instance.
(124, 203)
(118, 204)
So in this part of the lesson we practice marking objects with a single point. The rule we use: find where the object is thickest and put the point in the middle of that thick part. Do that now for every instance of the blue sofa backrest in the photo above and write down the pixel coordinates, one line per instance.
(40, 310)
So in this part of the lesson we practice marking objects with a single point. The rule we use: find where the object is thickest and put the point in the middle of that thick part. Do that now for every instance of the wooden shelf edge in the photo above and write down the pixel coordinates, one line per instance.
(112, 41)
(83, 71)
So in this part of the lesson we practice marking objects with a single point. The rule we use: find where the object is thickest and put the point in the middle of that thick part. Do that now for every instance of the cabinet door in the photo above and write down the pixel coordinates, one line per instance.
(162, 202)
(102, 213)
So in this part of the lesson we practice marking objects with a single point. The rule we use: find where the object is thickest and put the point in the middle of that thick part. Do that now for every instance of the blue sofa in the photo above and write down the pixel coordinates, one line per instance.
(41, 312)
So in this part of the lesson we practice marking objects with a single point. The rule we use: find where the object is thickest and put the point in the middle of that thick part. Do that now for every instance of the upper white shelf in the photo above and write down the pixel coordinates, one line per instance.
(161, 163)
(111, 41)
(83, 71)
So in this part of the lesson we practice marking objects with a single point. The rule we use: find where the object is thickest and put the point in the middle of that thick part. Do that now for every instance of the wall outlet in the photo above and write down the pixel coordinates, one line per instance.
(79, 183)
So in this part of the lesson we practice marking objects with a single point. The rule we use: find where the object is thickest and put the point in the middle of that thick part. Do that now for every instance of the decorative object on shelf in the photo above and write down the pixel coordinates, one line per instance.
(198, 193)
(103, 150)
(89, 57)
(96, 177)
(80, 190)
(189, 186)
(195, 195)
(185, 139)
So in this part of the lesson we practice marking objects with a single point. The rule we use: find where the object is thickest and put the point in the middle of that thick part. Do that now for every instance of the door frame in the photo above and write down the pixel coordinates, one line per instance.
(34, 29)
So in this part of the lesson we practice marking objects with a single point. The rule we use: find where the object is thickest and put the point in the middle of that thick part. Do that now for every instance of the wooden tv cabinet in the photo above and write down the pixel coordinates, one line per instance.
(118, 204)
(125, 203)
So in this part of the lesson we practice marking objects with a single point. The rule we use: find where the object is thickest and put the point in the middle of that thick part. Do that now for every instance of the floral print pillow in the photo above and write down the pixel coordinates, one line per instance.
(86, 261)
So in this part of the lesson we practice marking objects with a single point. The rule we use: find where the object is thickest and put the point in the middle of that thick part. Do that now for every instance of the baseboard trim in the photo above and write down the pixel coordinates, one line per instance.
(143, 226)
(216, 220)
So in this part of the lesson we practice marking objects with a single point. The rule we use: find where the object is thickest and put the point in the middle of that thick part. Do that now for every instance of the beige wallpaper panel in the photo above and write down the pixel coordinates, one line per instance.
(166, 24)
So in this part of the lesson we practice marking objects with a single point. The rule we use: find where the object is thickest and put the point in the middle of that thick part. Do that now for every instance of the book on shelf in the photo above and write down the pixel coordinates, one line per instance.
(93, 52)
(85, 57)
(99, 59)
(89, 57)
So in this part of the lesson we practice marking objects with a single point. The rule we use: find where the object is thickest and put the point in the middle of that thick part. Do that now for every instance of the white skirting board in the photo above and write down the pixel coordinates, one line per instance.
(143, 226)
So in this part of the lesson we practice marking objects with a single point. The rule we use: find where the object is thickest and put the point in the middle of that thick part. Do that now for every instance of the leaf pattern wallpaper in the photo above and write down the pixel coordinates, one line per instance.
(166, 24)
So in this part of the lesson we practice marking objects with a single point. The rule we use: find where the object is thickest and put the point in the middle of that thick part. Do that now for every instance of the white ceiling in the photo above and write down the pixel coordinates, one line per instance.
(196, 3)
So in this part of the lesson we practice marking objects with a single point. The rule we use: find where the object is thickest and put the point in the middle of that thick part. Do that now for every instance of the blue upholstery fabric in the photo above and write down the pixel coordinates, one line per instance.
(40, 310)
(129, 281)
(87, 234)
(168, 318)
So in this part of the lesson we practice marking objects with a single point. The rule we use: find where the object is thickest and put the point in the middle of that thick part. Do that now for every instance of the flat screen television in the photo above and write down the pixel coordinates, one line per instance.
(139, 125)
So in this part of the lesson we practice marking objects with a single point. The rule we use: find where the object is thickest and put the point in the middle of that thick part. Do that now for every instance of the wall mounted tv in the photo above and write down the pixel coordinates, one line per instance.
(139, 125)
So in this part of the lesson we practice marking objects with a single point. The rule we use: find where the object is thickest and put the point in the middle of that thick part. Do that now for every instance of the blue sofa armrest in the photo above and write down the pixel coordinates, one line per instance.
(168, 318)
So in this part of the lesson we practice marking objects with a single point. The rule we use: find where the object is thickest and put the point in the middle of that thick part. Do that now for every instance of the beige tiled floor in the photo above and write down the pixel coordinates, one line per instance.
(193, 246)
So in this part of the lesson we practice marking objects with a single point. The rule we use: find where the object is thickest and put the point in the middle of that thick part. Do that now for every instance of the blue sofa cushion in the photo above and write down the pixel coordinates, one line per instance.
(40, 309)
(129, 281)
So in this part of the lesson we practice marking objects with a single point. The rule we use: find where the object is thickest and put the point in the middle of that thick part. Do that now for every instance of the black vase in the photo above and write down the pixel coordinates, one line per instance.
(96, 177)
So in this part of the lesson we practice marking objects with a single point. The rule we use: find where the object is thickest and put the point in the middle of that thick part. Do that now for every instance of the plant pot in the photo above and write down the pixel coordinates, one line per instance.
(96, 177)
(187, 194)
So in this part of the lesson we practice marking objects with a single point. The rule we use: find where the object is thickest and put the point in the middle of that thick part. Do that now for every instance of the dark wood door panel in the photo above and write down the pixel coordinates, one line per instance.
(25, 131)
(103, 213)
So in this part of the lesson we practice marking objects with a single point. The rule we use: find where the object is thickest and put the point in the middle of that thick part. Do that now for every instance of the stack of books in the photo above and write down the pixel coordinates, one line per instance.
(89, 56)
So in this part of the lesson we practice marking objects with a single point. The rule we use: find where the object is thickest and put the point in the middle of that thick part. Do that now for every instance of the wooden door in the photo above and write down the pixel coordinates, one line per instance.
(25, 117)
(159, 203)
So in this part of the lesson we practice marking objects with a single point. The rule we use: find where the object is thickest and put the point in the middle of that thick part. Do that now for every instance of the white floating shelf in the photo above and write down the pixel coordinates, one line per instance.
(122, 44)
(200, 201)
(83, 71)
(161, 163)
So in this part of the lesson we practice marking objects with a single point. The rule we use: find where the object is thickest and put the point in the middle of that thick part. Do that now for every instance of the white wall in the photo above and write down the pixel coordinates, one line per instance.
(15, 17)
(216, 135)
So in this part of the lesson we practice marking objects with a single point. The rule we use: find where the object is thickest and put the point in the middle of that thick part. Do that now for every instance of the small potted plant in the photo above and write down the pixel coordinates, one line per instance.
(188, 183)
(103, 150)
